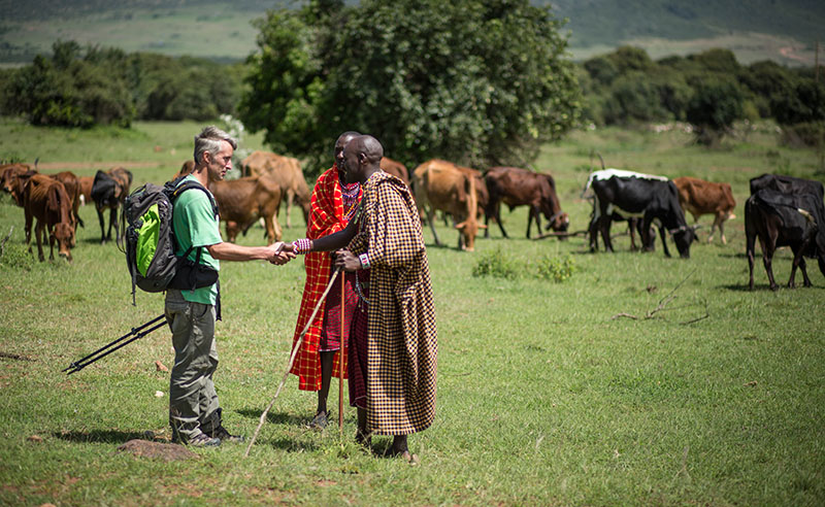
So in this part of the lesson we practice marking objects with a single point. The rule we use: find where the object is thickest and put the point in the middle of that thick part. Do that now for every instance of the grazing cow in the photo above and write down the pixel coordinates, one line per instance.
(243, 201)
(700, 197)
(46, 200)
(781, 219)
(519, 187)
(284, 171)
(441, 185)
(395, 168)
(654, 199)
(72, 186)
(108, 192)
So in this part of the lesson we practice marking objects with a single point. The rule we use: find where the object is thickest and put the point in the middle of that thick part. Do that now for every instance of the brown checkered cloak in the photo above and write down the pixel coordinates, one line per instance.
(402, 343)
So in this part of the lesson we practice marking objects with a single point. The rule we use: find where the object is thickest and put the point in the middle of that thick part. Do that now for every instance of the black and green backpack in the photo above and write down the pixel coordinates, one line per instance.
(150, 244)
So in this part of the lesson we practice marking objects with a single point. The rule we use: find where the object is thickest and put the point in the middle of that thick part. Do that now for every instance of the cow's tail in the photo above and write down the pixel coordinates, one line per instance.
(584, 194)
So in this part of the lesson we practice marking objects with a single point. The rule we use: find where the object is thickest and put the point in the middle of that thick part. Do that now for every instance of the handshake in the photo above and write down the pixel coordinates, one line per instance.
(280, 253)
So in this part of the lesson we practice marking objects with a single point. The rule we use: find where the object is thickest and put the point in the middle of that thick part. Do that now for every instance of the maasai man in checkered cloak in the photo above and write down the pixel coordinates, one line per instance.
(385, 236)
(332, 205)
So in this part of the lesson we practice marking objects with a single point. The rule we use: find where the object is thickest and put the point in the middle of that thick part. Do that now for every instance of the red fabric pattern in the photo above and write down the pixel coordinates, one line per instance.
(326, 217)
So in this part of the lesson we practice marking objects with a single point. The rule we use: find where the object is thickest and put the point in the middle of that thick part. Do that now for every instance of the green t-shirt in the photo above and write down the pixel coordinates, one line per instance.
(196, 225)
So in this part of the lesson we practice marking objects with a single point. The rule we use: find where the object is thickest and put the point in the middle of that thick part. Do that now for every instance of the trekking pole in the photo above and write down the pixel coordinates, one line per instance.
(341, 359)
(292, 360)
(136, 331)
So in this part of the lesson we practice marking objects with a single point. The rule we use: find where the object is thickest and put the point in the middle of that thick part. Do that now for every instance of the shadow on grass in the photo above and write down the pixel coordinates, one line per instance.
(291, 445)
(101, 436)
(274, 417)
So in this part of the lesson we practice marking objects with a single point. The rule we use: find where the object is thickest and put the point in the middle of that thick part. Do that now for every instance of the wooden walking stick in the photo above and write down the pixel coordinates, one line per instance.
(292, 359)
(341, 358)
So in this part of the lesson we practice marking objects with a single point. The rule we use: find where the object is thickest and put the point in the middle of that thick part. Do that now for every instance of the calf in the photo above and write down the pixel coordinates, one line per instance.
(46, 200)
(108, 192)
(243, 201)
(780, 219)
(654, 199)
(283, 171)
(519, 187)
(700, 197)
(441, 185)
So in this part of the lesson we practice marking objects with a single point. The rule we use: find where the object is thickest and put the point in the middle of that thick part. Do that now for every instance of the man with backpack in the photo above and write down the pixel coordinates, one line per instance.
(194, 412)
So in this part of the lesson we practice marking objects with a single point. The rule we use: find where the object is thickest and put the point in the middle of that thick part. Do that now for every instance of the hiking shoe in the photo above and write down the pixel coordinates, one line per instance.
(320, 420)
(224, 435)
(204, 440)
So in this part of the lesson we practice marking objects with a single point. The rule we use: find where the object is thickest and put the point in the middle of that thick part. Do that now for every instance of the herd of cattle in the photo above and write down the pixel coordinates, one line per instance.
(781, 211)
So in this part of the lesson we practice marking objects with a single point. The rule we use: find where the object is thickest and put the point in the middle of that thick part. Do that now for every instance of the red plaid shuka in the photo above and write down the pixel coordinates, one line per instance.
(327, 215)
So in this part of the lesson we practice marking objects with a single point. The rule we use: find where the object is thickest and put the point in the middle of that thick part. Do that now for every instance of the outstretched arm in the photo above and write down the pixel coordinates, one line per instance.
(334, 241)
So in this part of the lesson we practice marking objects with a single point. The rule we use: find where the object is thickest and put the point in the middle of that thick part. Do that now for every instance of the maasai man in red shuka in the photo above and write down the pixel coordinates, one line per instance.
(332, 205)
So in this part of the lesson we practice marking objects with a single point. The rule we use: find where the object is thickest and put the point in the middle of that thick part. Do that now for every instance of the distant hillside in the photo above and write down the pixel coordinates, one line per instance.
(785, 31)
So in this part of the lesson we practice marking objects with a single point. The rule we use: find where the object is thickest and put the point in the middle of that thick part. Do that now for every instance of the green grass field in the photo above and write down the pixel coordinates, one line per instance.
(543, 397)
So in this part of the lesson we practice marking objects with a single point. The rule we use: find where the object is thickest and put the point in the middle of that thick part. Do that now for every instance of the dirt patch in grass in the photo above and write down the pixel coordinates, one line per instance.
(157, 450)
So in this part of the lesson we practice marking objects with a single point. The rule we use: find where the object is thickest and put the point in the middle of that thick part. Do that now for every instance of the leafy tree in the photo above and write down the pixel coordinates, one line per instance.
(634, 98)
(69, 90)
(716, 103)
(473, 81)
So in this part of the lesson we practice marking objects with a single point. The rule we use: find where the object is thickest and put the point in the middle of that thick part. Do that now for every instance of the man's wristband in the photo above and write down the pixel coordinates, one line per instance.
(302, 246)
(365, 260)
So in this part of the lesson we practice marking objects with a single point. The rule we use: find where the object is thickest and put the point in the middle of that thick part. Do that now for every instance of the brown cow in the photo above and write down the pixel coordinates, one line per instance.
(441, 185)
(519, 187)
(86, 183)
(700, 197)
(72, 186)
(243, 201)
(8, 177)
(46, 200)
(395, 168)
(286, 172)
(14, 179)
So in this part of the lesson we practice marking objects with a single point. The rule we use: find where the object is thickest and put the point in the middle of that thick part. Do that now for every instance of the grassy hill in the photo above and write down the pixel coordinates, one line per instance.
(784, 31)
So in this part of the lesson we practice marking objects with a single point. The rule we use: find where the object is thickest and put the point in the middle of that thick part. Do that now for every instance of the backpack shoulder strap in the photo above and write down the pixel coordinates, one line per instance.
(178, 188)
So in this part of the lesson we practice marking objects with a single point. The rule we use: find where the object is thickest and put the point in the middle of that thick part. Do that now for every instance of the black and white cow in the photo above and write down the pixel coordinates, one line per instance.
(785, 219)
(653, 199)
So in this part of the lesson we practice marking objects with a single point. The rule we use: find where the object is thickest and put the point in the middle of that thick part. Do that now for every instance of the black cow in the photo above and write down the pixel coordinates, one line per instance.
(786, 185)
(781, 219)
(108, 191)
(654, 199)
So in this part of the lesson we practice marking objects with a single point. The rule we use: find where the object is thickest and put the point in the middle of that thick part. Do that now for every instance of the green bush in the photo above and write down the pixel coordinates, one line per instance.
(557, 269)
(497, 264)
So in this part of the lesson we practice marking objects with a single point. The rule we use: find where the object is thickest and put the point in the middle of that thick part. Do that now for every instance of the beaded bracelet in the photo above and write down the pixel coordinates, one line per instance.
(301, 246)
(365, 261)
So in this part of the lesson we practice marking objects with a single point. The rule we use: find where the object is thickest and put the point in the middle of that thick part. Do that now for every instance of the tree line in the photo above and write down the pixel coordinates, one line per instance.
(711, 90)
(79, 86)
(479, 82)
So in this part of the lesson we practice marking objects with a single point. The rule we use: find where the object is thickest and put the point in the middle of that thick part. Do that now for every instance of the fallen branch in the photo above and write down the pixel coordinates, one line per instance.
(560, 235)
(662, 306)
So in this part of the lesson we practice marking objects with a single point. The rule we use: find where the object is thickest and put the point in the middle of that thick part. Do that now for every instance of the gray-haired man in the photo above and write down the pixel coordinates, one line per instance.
(194, 412)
